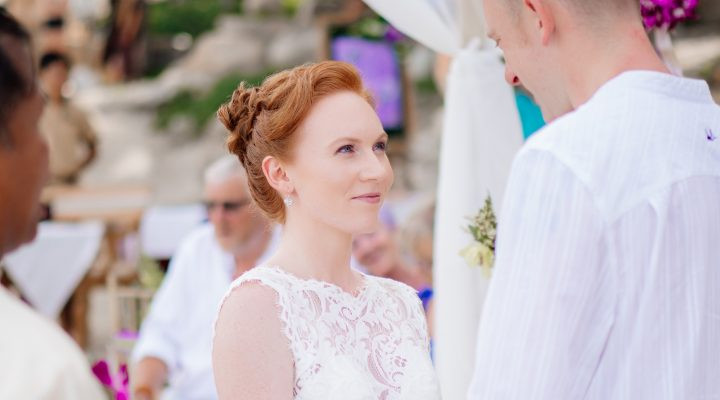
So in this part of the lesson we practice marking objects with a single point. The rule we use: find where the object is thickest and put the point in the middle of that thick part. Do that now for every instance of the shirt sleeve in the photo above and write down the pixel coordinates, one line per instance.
(86, 131)
(159, 334)
(549, 309)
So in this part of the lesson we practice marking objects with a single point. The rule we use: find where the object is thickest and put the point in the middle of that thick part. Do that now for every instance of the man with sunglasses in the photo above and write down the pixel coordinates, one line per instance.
(175, 339)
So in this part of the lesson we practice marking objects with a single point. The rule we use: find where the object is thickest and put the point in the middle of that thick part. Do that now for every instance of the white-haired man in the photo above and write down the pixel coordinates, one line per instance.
(175, 339)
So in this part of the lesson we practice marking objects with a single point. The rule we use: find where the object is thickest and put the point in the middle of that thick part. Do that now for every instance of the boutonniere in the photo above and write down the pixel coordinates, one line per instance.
(483, 228)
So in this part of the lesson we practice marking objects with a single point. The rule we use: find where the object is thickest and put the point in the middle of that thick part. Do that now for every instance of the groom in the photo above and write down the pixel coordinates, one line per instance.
(607, 273)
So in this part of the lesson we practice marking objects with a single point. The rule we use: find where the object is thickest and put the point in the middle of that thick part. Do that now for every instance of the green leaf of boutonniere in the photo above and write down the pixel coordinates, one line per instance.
(483, 228)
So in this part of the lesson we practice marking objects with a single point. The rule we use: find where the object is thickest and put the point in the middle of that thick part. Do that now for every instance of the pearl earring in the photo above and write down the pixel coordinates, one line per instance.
(288, 201)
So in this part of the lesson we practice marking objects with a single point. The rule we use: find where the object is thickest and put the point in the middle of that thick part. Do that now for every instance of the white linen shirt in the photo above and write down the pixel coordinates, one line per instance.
(178, 329)
(607, 276)
(38, 360)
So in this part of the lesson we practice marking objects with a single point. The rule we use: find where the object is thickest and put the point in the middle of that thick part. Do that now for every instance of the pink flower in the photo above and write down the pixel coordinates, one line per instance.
(666, 14)
(118, 384)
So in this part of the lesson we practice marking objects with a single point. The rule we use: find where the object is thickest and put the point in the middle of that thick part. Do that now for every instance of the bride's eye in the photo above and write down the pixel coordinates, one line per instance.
(348, 148)
(380, 146)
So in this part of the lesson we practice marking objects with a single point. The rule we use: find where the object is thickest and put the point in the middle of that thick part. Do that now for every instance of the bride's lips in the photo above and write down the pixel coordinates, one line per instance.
(372, 198)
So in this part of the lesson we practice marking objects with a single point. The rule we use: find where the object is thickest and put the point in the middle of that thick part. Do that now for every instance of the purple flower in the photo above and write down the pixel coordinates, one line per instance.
(102, 372)
(393, 35)
(127, 334)
(666, 14)
(118, 383)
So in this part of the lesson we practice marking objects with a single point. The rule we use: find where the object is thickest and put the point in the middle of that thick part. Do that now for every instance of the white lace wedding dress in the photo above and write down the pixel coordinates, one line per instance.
(369, 346)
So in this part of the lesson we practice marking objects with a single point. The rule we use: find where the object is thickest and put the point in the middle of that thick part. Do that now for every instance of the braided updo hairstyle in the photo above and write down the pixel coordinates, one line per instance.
(262, 120)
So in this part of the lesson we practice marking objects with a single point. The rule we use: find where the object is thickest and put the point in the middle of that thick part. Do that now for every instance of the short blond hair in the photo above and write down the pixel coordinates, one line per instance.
(224, 169)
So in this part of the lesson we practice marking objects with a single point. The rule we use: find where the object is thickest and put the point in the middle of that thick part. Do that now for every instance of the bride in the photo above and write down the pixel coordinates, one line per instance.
(305, 325)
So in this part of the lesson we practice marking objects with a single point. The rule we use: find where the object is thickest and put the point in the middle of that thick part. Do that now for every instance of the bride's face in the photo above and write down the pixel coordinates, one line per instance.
(339, 168)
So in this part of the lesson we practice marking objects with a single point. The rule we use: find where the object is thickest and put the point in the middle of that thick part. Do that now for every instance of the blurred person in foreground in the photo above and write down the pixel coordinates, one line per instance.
(71, 139)
(606, 283)
(175, 339)
(37, 359)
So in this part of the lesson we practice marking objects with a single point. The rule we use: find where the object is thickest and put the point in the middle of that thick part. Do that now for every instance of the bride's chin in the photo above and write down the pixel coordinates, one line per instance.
(369, 228)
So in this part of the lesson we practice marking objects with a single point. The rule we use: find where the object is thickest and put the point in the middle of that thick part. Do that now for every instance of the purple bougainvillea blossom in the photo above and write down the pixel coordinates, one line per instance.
(666, 14)
(393, 35)
(118, 384)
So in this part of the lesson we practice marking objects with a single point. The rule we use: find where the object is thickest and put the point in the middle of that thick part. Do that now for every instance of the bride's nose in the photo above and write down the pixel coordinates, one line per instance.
(374, 167)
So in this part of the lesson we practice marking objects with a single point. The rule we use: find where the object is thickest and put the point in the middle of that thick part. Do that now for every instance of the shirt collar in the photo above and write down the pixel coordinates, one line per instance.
(677, 87)
(269, 250)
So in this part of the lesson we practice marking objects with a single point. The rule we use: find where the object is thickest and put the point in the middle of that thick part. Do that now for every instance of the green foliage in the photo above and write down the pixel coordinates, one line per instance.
(200, 107)
(290, 7)
(149, 273)
(483, 226)
(191, 16)
(426, 85)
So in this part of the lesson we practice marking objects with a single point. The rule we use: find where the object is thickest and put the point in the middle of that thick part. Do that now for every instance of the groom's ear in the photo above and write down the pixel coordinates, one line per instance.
(541, 11)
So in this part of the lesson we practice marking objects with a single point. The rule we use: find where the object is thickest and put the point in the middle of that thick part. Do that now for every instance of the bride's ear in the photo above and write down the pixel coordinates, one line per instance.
(276, 175)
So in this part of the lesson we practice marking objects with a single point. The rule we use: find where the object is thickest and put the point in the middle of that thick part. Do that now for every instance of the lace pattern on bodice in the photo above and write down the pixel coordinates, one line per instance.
(369, 346)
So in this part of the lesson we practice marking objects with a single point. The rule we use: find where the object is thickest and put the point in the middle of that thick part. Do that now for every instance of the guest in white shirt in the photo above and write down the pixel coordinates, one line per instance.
(607, 274)
(37, 359)
(175, 339)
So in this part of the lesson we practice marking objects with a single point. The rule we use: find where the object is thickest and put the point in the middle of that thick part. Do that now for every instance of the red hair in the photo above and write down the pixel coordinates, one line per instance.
(262, 120)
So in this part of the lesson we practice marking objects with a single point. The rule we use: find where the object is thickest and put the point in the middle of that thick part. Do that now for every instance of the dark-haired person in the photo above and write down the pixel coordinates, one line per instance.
(71, 139)
(304, 325)
(606, 282)
(37, 359)
(173, 350)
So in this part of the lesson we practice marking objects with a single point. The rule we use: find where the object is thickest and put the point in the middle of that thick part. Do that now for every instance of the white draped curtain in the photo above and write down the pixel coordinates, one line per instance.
(481, 134)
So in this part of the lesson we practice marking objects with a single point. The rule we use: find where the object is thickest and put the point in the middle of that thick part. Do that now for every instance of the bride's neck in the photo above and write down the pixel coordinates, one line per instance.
(311, 249)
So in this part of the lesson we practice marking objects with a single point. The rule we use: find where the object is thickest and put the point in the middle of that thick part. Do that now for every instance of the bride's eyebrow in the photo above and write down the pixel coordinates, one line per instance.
(344, 139)
(354, 140)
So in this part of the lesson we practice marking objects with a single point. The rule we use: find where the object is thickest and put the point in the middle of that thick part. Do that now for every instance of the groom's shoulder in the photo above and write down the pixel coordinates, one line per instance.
(579, 140)
(585, 143)
(589, 129)
(621, 153)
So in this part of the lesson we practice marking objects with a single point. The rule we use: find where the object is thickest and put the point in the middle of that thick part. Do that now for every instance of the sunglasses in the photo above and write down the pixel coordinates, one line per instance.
(227, 206)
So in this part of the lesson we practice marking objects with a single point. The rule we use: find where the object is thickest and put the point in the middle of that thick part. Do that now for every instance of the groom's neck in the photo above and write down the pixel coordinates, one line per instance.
(592, 62)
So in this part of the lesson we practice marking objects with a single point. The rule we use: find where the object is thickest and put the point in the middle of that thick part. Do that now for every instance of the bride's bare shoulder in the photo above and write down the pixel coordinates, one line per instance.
(249, 348)
(247, 296)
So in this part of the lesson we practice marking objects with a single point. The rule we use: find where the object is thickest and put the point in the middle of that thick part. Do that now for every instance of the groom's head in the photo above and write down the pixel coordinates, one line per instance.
(545, 42)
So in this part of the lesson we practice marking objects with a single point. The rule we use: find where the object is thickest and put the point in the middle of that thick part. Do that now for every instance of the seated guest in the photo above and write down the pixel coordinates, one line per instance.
(380, 254)
(174, 347)
(37, 359)
(71, 140)
(417, 236)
